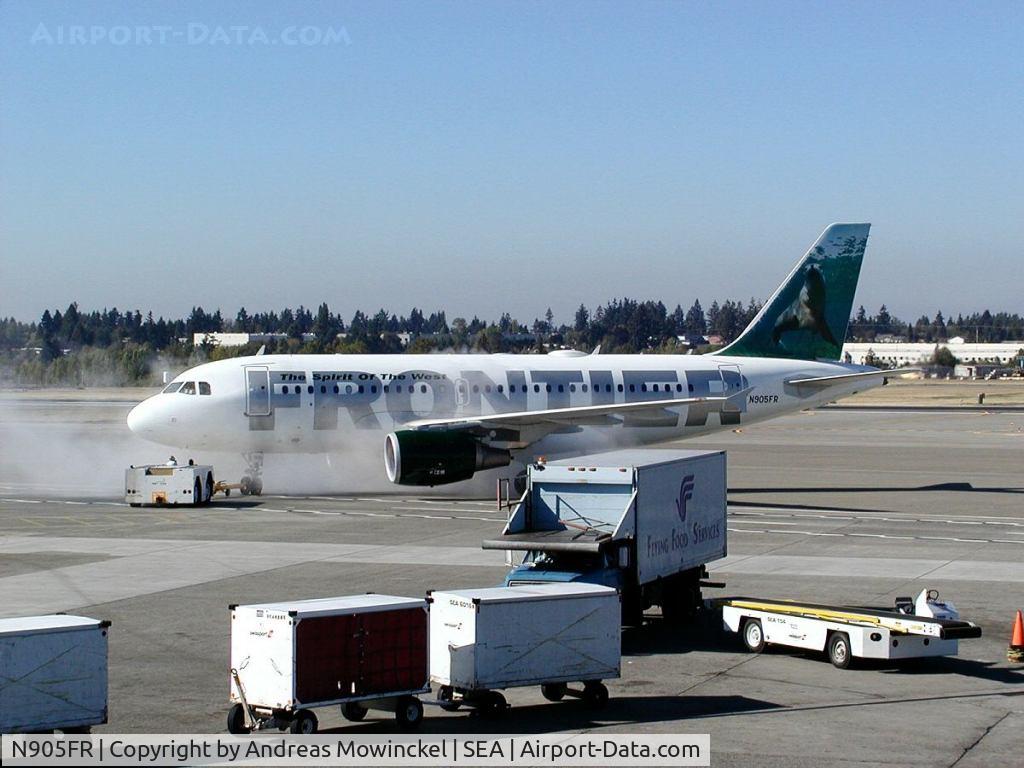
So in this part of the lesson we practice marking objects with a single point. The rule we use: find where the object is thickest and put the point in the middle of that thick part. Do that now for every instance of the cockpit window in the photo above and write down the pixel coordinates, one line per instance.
(174, 386)
(204, 388)
(188, 389)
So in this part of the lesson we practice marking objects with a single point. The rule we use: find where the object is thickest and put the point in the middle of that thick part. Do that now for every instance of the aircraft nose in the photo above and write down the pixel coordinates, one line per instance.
(140, 418)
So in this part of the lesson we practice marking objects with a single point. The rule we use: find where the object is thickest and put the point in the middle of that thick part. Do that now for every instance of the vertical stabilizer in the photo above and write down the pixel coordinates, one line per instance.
(806, 317)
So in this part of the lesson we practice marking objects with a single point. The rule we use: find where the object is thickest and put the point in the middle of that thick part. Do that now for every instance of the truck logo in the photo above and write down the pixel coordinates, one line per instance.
(685, 494)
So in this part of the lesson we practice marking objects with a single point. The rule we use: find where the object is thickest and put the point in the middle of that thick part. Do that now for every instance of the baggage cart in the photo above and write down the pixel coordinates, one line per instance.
(360, 652)
(550, 635)
(53, 674)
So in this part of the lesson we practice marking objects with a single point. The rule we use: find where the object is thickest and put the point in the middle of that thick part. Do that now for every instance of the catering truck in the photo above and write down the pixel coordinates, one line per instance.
(644, 521)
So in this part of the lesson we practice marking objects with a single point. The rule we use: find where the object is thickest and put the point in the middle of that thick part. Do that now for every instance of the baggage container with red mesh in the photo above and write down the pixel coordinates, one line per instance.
(361, 652)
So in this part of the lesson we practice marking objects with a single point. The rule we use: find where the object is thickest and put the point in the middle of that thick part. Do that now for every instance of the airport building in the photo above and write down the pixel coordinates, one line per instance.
(914, 353)
(235, 339)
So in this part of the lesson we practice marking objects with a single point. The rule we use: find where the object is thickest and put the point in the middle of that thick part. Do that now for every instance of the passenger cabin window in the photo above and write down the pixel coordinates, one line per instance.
(189, 388)
(204, 388)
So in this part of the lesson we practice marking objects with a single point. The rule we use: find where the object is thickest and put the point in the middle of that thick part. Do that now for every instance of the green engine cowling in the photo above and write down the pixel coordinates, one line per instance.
(423, 457)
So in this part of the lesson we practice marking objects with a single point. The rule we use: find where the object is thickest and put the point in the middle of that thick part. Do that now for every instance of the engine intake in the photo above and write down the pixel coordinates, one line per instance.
(414, 457)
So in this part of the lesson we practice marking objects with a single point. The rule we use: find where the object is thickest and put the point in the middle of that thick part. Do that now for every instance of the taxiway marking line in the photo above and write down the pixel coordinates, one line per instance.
(874, 536)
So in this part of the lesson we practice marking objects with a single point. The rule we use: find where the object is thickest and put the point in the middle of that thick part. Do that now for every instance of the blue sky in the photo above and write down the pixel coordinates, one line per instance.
(489, 157)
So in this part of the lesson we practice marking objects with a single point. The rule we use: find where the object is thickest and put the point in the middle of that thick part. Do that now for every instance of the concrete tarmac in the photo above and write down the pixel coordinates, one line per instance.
(845, 507)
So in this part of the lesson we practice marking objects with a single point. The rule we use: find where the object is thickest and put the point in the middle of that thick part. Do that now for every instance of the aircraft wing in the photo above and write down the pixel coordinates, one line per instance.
(555, 418)
(820, 382)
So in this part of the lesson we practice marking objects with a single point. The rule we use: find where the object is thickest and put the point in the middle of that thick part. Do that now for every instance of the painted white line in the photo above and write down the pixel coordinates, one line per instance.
(875, 536)
(888, 518)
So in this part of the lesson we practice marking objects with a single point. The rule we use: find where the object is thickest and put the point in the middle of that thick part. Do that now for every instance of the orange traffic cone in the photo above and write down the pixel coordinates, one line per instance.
(1015, 652)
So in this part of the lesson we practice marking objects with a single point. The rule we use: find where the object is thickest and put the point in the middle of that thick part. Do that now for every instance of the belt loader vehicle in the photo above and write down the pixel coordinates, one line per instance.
(917, 628)
(644, 521)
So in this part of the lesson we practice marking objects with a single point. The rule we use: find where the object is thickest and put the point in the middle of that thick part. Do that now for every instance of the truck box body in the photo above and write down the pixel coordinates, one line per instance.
(667, 506)
(312, 653)
(162, 484)
(53, 673)
(504, 637)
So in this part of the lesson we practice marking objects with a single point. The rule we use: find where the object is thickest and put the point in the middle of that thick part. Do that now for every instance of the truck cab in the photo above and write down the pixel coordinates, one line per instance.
(540, 567)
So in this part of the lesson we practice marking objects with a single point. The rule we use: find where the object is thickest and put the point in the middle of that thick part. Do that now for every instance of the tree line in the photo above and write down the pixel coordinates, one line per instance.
(984, 327)
(113, 347)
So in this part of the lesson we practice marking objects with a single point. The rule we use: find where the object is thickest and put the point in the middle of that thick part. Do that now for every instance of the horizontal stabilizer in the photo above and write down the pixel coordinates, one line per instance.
(820, 382)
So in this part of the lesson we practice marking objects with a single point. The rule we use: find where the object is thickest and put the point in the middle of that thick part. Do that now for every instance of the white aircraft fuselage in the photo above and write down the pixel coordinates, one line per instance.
(326, 403)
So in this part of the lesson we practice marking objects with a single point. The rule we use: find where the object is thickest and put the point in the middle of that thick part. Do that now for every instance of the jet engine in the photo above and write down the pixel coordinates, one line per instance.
(415, 457)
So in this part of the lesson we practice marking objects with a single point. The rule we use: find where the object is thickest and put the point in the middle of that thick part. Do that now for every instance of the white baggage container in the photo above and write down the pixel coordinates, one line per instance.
(53, 673)
(360, 651)
(169, 484)
(506, 637)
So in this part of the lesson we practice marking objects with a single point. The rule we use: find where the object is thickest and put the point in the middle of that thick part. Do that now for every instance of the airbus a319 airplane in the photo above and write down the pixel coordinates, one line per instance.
(442, 418)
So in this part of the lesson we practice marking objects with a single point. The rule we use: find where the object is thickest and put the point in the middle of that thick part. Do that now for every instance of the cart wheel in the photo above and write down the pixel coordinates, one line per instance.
(245, 486)
(493, 704)
(197, 493)
(227, 492)
(595, 695)
(257, 487)
(446, 697)
(839, 650)
(408, 713)
(208, 496)
(553, 691)
(753, 635)
(304, 722)
(353, 710)
(236, 719)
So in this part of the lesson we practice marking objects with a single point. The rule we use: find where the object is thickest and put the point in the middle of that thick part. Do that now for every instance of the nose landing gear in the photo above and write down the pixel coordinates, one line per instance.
(252, 481)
